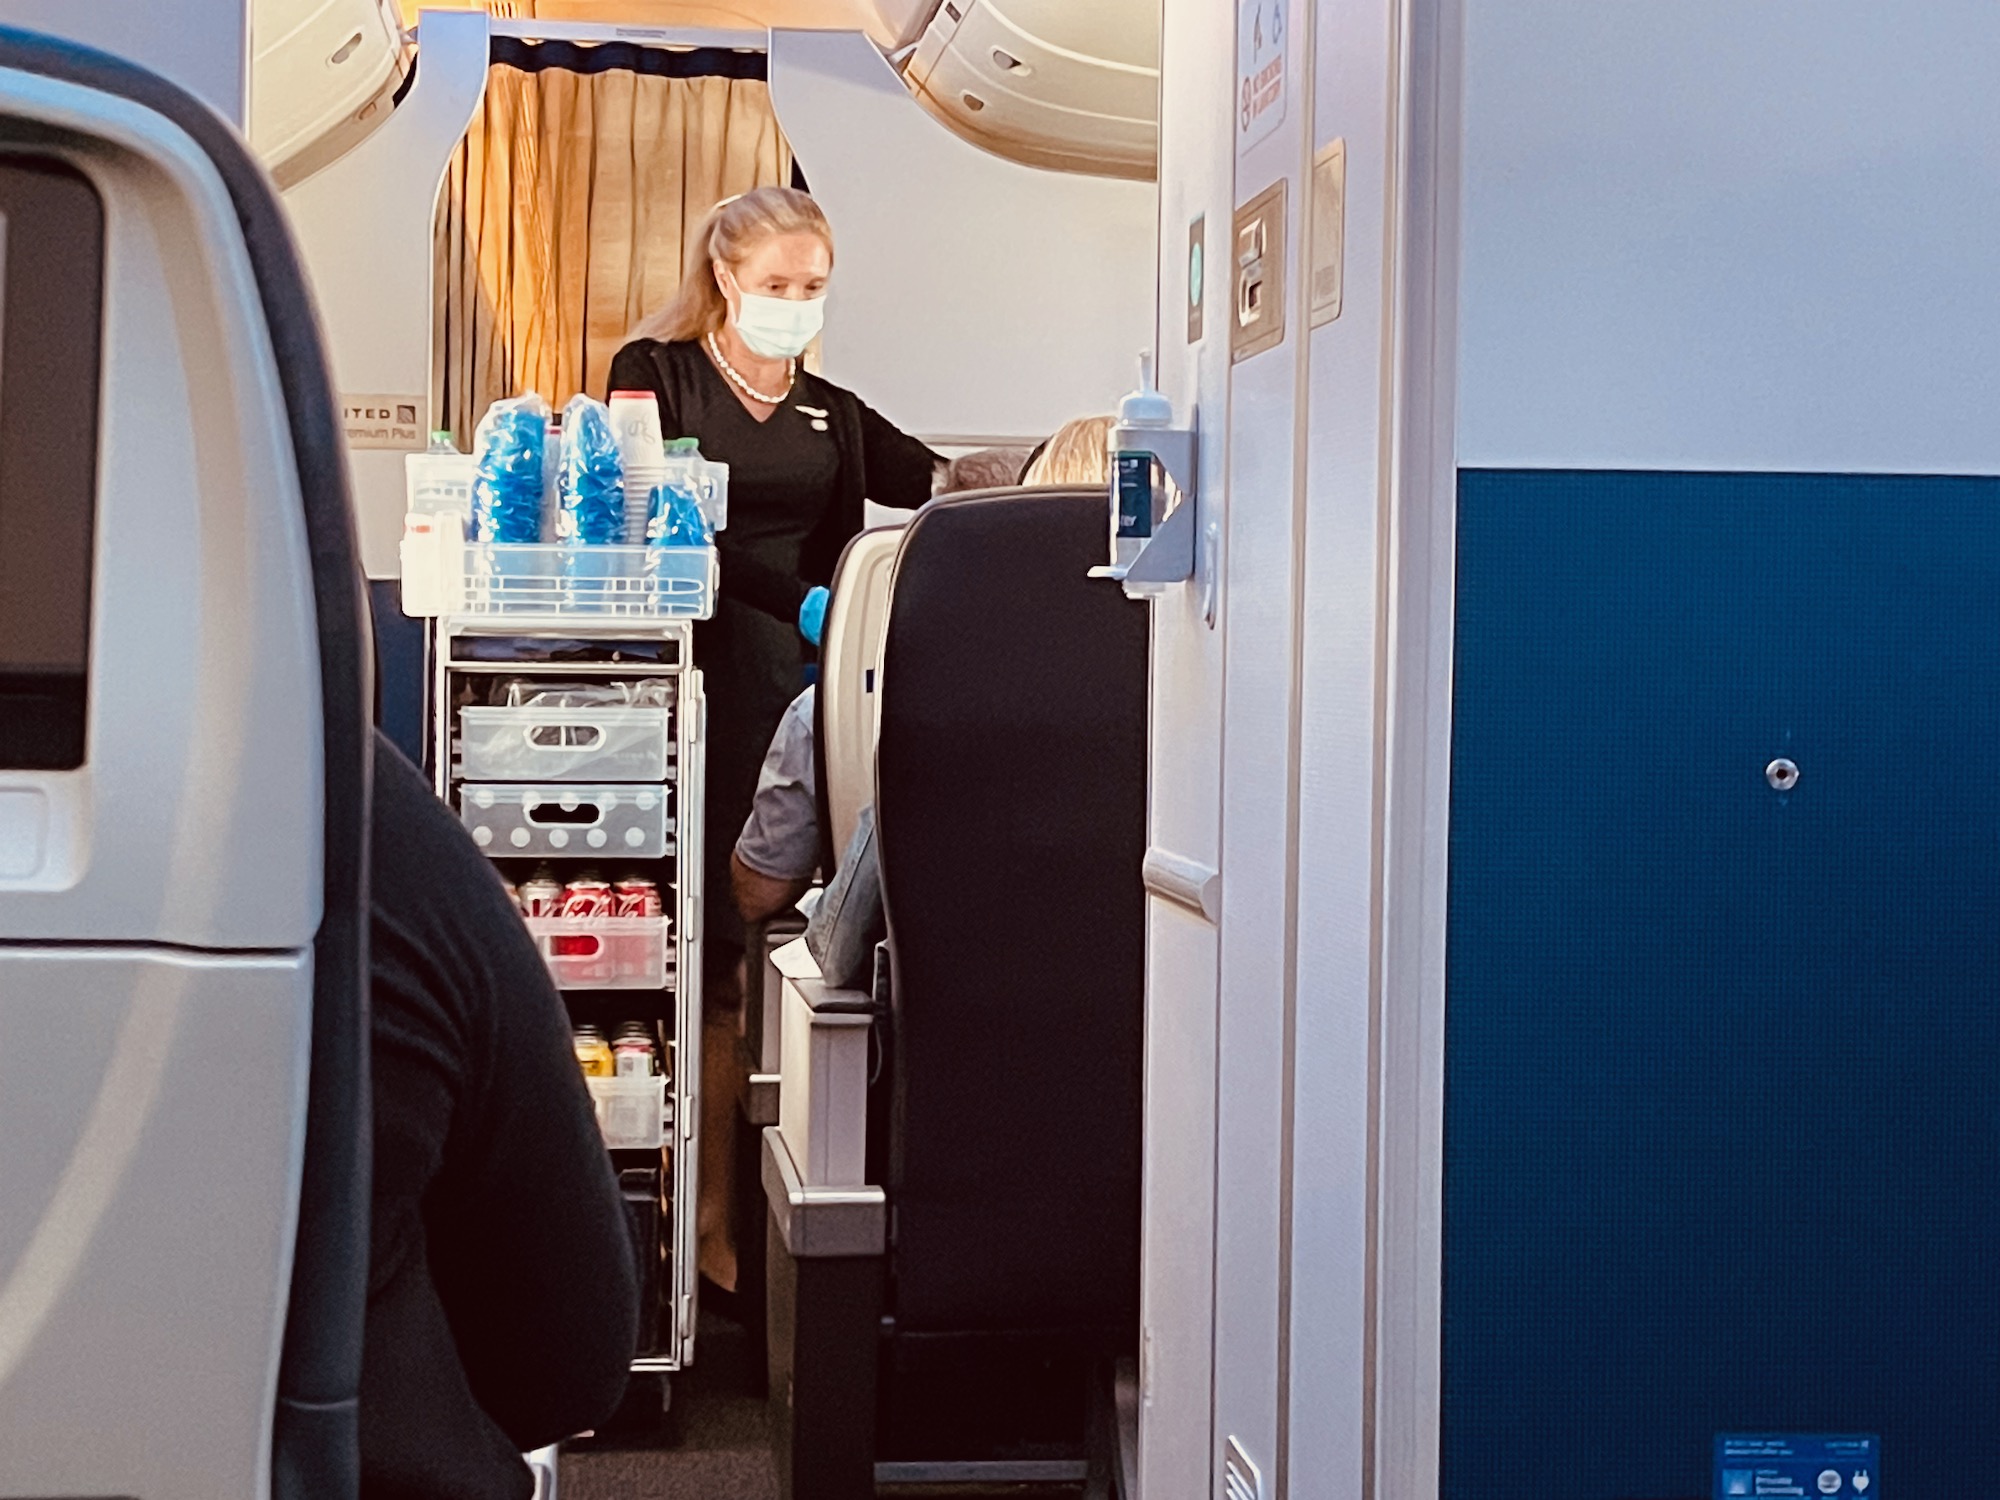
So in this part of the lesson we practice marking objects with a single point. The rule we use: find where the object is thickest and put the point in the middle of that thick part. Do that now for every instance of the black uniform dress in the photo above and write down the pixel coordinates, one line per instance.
(797, 482)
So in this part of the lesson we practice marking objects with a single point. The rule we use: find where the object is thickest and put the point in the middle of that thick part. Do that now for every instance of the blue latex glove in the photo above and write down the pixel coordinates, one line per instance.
(812, 614)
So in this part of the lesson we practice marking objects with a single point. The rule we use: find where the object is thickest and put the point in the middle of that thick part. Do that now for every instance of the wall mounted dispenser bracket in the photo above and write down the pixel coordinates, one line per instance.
(1145, 557)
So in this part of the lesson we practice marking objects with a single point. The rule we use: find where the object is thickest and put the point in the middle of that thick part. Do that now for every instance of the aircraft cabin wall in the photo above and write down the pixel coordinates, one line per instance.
(1728, 596)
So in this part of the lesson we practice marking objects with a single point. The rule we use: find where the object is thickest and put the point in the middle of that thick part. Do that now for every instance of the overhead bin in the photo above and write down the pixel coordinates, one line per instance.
(323, 75)
(1046, 82)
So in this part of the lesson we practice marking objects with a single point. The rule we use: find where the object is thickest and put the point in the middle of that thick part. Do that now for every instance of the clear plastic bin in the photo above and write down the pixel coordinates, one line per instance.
(556, 578)
(606, 953)
(564, 744)
(632, 1112)
(566, 821)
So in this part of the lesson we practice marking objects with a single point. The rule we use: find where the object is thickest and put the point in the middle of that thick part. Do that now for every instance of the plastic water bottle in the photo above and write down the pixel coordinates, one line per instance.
(438, 485)
(675, 516)
(439, 480)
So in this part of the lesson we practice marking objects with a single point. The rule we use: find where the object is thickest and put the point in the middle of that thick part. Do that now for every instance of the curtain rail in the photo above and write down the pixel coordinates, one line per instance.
(588, 32)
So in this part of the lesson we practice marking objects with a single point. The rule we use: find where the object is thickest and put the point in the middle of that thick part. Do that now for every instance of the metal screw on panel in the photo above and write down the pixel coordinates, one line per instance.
(1782, 775)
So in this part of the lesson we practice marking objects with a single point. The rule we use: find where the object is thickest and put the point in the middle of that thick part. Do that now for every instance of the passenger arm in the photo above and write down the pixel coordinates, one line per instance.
(759, 897)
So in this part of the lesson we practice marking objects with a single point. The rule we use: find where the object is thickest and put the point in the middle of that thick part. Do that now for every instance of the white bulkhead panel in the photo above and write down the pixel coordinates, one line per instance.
(204, 651)
(364, 231)
(1176, 1444)
(1270, 48)
(973, 297)
(1350, 420)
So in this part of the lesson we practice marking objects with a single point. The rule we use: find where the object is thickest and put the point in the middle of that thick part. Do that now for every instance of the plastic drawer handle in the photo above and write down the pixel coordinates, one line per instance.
(590, 736)
(553, 815)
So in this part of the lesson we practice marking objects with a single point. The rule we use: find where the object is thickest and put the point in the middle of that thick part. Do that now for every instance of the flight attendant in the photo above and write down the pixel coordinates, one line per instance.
(723, 361)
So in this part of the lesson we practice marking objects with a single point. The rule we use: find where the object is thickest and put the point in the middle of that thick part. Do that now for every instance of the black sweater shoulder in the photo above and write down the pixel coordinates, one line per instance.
(503, 1295)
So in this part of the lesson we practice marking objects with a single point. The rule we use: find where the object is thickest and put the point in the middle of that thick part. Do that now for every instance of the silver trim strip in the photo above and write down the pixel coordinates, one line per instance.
(1010, 1471)
(821, 1223)
(1188, 883)
(981, 440)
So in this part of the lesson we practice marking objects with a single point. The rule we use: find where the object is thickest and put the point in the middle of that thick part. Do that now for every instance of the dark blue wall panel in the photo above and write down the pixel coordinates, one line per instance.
(1722, 1064)
(402, 671)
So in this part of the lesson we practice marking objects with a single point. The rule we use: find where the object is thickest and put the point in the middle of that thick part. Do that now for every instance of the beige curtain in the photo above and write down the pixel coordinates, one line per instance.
(561, 221)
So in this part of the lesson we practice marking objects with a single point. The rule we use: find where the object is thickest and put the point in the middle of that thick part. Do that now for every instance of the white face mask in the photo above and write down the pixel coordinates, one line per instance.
(778, 327)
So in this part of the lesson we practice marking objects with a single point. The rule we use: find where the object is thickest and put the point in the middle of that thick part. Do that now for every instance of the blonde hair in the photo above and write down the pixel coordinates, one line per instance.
(1079, 453)
(732, 229)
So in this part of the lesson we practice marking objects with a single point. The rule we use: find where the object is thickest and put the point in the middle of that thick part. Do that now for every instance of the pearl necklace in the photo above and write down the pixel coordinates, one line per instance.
(729, 371)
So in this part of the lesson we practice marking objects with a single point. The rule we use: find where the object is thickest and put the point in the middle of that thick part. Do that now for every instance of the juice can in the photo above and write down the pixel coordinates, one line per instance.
(593, 1053)
(634, 1054)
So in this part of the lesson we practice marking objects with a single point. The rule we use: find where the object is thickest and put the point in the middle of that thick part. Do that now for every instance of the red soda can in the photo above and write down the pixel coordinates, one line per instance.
(542, 896)
(634, 953)
(636, 897)
(589, 898)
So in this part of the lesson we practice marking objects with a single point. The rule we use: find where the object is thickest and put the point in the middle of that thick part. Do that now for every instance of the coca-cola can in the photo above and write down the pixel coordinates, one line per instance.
(636, 897)
(588, 898)
(542, 896)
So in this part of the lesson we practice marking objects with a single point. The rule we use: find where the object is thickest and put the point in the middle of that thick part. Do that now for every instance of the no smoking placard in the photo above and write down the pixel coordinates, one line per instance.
(1260, 69)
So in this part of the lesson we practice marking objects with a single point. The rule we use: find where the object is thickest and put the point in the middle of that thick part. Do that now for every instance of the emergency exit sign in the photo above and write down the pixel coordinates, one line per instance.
(1261, 35)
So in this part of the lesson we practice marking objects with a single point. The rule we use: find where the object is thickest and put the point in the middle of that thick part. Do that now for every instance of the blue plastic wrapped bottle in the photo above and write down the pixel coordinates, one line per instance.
(509, 446)
(591, 519)
(591, 481)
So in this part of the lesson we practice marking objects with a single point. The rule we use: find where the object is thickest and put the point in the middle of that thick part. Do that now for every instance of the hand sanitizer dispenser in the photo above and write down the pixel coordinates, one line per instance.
(1147, 548)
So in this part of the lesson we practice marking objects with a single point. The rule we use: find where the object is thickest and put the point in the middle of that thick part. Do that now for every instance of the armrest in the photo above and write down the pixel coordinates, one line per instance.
(763, 1016)
(823, 1088)
(821, 1222)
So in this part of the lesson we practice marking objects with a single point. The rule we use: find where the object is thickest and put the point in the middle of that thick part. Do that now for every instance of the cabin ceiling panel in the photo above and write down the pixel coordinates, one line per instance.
(832, 15)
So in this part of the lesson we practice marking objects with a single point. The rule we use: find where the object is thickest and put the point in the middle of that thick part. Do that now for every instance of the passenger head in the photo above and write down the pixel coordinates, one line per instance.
(1078, 454)
(988, 469)
(769, 242)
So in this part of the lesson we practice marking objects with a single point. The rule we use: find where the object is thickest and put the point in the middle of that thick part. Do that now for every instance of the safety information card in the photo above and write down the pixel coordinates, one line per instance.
(1801, 1464)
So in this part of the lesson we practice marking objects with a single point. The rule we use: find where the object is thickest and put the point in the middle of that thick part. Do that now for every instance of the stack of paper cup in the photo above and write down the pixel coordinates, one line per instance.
(635, 418)
(640, 481)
